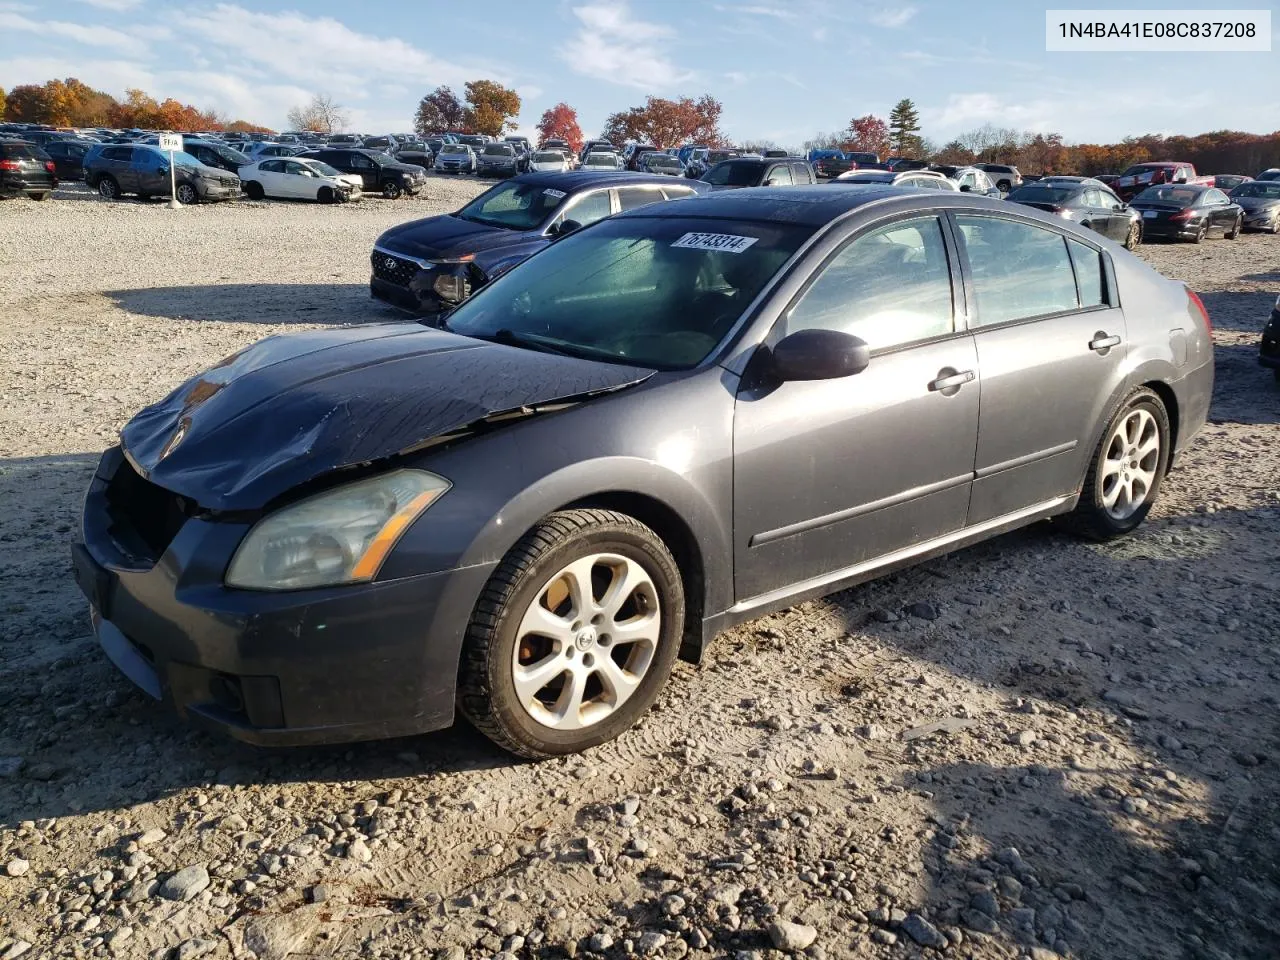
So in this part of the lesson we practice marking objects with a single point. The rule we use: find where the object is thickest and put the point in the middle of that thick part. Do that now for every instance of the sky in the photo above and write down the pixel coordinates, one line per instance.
(784, 69)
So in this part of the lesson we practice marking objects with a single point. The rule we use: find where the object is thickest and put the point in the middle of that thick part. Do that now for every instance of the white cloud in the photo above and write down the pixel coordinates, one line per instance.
(758, 11)
(113, 76)
(610, 44)
(118, 6)
(92, 36)
(893, 17)
(820, 34)
(529, 92)
(736, 77)
(319, 52)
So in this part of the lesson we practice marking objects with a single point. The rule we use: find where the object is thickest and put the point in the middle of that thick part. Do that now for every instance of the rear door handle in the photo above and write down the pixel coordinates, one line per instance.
(1101, 343)
(952, 381)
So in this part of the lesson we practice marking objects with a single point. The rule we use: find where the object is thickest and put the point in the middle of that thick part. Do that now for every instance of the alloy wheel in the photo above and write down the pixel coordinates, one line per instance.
(586, 641)
(1130, 463)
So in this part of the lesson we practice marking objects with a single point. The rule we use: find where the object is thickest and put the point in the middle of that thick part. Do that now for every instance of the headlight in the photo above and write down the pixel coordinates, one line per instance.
(339, 536)
(452, 287)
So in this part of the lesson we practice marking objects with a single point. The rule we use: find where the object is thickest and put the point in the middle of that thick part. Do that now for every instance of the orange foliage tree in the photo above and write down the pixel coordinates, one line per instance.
(668, 123)
(561, 121)
(71, 103)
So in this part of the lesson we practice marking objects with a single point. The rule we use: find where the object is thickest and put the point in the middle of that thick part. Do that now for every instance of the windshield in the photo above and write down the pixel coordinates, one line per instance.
(1178, 196)
(601, 160)
(1271, 191)
(1138, 170)
(514, 205)
(1269, 175)
(548, 156)
(498, 150)
(1042, 194)
(662, 160)
(322, 168)
(659, 292)
(455, 148)
(734, 174)
(231, 156)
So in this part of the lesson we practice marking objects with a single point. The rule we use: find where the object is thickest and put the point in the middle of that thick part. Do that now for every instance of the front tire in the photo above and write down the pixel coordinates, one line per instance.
(1235, 230)
(186, 194)
(1127, 469)
(1134, 236)
(391, 190)
(326, 195)
(574, 635)
(108, 189)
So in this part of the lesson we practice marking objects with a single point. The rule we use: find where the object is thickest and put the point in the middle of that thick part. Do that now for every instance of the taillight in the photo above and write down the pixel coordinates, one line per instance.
(9, 165)
(1184, 215)
(1199, 305)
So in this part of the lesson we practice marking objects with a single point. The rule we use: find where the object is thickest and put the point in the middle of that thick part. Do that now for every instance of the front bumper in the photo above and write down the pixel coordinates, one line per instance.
(498, 170)
(1269, 348)
(410, 284)
(217, 191)
(1261, 221)
(1164, 230)
(328, 665)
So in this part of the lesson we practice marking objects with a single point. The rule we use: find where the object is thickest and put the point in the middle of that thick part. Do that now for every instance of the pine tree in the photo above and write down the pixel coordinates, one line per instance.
(904, 129)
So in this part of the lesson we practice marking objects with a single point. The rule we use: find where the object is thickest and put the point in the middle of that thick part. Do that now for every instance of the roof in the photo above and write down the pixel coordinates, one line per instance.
(574, 180)
(807, 206)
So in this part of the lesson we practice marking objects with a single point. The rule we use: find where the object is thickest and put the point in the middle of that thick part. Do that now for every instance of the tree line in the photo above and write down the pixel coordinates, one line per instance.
(71, 103)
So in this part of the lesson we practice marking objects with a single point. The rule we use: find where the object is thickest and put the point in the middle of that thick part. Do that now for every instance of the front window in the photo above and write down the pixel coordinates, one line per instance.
(514, 206)
(658, 292)
(734, 175)
(1265, 191)
(455, 148)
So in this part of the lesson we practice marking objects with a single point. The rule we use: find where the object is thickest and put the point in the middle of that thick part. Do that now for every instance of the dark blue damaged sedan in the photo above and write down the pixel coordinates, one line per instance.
(661, 425)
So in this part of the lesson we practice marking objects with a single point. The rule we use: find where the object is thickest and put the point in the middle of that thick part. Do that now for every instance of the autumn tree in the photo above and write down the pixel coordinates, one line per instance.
(904, 128)
(320, 115)
(668, 123)
(27, 103)
(491, 108)
(438, 111)
(561, 122)
(868, 134)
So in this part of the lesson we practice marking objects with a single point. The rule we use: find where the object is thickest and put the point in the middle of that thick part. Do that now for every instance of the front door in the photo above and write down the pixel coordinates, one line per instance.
(1051, 345)
(830, 474)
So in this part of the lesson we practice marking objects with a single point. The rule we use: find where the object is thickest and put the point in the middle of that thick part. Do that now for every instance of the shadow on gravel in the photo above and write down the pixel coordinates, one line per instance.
(1243, 391)
(260, 303)
(1239, 311)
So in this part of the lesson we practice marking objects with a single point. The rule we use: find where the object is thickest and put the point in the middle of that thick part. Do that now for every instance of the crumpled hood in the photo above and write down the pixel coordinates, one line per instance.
(450, 236)
(296, 406)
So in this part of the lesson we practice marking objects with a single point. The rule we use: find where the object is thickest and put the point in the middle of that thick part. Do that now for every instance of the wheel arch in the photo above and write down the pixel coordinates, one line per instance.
(679, 538)
(1170, 401)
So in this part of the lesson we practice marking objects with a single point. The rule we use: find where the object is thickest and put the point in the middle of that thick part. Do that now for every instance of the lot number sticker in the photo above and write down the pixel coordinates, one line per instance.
(724, 242)
(554, 194)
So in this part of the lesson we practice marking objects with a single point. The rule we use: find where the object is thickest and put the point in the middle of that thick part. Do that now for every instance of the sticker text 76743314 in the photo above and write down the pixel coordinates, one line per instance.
(723, 242)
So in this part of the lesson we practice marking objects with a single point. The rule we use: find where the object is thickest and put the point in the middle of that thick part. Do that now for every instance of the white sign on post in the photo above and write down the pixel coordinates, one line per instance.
(171, 143)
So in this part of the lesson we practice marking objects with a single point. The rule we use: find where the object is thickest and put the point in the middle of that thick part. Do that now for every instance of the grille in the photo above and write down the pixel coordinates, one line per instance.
(393, 269)
(144, 517)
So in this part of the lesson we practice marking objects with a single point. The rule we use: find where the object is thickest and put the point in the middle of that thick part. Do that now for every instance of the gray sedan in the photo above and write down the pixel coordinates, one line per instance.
(664, 424)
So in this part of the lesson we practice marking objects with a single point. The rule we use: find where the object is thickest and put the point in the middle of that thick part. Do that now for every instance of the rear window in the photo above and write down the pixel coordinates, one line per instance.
(734, 174)
(1042, 194)
(1178, 196)
(19, 151)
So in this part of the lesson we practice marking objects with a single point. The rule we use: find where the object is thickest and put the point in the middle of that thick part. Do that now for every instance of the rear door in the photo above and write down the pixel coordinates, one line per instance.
(273, 179)
(367, 169)
(125, 169)
(835, 473)
(1051, 345)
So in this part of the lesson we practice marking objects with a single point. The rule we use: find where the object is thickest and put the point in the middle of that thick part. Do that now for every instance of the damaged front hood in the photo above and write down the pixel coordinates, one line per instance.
(450, 236)
(294, 407)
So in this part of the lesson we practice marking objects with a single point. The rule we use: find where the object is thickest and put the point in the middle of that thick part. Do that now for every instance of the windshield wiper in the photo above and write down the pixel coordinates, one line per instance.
(529, 341)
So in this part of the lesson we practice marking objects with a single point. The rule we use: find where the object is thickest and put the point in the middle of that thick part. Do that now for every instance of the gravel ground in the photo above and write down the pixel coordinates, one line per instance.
(1035, 748)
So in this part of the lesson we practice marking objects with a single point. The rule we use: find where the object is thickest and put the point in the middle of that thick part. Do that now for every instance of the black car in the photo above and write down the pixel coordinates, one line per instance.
(903, 164)
(1229, 181)
(25, 170)
(429, 266)
(415, 152)
(749, 172)
(1260, 201)
(380, 172)
(1187, 211)
(1088, 202)
(499, 160)
(216, 154)
(68, 157)
(633, 154)
(1269, 348)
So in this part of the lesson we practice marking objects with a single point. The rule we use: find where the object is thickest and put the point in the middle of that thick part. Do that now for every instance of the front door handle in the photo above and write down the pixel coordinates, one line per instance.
(951, 380)
(1102, 343)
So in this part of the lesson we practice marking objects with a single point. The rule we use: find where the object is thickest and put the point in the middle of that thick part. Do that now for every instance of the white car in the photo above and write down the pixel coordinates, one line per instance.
(295, 178)
(602, 161)
(548, 161)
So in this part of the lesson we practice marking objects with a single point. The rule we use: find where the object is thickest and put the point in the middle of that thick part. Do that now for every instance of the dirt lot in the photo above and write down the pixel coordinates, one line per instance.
(1034, 748)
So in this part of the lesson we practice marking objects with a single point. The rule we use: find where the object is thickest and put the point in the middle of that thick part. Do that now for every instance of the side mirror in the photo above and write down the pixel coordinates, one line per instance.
(819, 355)
(565, 228)
(966, 188)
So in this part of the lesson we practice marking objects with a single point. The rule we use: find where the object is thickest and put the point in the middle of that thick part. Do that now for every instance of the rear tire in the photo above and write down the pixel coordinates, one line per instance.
(108, 189)
(583, 682)
(254, 191)
(1235, 230)
(1134, 237)
(38, 196)
(1004, 186)
(1201, 233)
(1128, 466)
